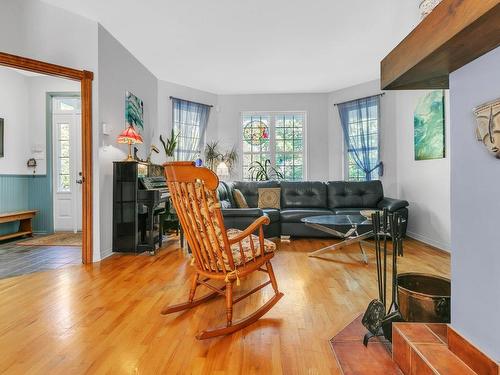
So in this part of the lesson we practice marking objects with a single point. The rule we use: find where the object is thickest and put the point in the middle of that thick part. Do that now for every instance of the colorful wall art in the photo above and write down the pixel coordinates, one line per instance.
(134, 111)
(429, 127)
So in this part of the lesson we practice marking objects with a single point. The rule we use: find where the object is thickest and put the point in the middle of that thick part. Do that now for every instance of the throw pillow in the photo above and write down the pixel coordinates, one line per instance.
(225, 204)
(269, 198)
(238, 196)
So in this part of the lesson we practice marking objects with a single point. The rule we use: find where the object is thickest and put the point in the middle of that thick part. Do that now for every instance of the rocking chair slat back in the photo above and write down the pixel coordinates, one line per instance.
(193, 192)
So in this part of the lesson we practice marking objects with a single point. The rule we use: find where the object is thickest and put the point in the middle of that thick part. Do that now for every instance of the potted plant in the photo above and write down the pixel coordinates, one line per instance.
(169, 145)
(214, 156)
(264, 171)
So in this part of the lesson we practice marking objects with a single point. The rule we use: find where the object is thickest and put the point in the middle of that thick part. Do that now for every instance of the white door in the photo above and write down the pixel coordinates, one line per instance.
(67, 163)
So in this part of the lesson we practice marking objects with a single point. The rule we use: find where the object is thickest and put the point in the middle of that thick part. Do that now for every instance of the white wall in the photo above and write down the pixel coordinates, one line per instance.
(38, 88)
(119, 72)
(23, 108)
(37, 30)
(475, 181)
(229, 124)
(423, 183)
(14, 103)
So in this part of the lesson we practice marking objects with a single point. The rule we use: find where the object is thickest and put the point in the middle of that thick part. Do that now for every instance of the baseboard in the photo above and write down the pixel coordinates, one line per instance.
(470, 354)
(429, 241)
(106, 253)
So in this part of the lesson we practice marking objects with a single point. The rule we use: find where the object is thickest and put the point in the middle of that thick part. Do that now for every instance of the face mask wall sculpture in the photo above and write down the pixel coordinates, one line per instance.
(488, 126)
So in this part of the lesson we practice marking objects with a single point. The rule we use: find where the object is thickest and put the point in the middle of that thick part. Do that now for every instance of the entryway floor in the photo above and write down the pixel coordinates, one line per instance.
(19, 260)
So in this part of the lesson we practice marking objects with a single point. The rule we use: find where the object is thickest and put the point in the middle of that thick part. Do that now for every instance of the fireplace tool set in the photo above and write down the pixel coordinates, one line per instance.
(377, 318)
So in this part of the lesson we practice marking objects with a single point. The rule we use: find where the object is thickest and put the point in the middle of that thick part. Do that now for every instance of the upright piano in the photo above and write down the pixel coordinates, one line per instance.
(139, 197)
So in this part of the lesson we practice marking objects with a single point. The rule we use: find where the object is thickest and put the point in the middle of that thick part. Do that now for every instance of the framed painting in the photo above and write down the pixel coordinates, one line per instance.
(134, 111)
(429, 127)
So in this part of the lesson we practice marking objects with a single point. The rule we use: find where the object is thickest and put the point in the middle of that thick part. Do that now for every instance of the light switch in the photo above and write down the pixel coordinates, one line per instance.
(106, 129)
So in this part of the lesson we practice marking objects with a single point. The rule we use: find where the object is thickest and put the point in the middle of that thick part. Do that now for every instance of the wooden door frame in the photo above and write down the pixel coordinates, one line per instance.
(85, 78)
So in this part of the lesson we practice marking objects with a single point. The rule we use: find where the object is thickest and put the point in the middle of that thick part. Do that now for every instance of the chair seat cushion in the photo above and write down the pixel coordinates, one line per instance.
(296, 215)
(269, 247)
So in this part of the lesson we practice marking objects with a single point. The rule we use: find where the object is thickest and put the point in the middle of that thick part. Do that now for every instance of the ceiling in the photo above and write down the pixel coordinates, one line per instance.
(256, 46)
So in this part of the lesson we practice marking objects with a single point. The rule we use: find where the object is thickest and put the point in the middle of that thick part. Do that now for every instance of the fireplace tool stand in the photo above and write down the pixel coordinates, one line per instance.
(377, 318)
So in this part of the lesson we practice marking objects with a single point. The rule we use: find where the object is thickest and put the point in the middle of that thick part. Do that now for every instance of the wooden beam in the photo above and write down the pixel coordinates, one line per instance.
(455, 33)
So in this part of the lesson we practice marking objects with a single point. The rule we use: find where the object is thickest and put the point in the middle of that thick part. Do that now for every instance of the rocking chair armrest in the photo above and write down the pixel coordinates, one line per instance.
(257, 224)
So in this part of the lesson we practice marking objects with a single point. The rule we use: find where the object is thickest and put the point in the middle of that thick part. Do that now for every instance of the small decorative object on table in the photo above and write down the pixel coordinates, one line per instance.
(368, 213)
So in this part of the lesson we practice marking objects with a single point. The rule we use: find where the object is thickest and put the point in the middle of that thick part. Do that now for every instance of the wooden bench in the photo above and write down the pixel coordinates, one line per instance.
(25, 223)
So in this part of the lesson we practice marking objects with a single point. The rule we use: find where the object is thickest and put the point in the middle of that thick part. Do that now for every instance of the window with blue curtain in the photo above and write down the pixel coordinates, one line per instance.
(360, 120)
(190, 122)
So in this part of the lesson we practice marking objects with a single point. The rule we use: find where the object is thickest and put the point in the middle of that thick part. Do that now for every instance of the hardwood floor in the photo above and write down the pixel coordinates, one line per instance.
(105, 318)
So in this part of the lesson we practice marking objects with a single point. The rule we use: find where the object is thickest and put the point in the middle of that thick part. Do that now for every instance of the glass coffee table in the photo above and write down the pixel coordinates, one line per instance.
(326, 223)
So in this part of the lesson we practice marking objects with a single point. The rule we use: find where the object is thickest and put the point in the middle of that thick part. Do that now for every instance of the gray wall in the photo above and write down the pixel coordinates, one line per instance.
(119, 71)
(475, 181)
(229, 124)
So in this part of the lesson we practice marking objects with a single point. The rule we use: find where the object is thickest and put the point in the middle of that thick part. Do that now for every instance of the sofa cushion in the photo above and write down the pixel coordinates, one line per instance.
(239, 198)
(303, 194)
(348, 211)
(349, 194)
(225, 195)
(269, 198)
(250, 189)
(273, 214)
(242, 212)
(295, 215)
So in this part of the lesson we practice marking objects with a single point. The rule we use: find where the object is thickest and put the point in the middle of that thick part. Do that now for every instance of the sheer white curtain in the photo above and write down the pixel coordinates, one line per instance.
(190, 121)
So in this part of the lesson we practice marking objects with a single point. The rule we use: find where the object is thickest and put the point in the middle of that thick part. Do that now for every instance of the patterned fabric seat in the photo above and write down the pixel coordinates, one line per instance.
(269, 247)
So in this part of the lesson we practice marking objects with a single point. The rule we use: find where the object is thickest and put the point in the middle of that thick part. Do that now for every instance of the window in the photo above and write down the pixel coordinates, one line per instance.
(360, 122)
(190, 122)
(63, 158)
(278, 137)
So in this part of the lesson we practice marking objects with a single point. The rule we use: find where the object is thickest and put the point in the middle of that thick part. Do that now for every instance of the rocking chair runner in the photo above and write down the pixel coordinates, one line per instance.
(218, 254)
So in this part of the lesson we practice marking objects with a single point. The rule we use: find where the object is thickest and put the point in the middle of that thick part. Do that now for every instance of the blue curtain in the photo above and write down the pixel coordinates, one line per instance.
(190, 121)
(361, 141)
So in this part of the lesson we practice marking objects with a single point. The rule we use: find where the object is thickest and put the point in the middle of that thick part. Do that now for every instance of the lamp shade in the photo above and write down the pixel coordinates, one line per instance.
(130, 136)
(222, 170)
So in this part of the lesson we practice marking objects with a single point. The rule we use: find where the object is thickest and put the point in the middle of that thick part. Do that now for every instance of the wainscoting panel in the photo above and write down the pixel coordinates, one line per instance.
(40, 198)
(14, 196)
(25, 192)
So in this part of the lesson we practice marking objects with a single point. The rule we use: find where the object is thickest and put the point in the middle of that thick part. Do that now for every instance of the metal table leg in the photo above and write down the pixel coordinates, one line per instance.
(350, 237)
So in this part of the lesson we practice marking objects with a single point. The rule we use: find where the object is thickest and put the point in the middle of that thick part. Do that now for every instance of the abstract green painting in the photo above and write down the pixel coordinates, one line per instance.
(134, 111)
(428, 126)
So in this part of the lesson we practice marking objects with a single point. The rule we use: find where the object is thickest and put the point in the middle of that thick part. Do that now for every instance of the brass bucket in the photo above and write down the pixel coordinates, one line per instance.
(424, 298)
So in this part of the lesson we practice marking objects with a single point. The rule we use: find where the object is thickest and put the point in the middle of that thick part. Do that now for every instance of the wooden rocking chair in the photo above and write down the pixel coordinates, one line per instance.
(218, 254)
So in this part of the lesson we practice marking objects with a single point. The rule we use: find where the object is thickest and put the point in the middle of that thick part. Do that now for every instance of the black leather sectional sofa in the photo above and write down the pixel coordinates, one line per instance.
(302, 199)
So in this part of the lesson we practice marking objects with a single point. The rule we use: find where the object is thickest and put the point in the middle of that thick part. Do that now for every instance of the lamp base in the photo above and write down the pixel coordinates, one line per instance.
(129, 156)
